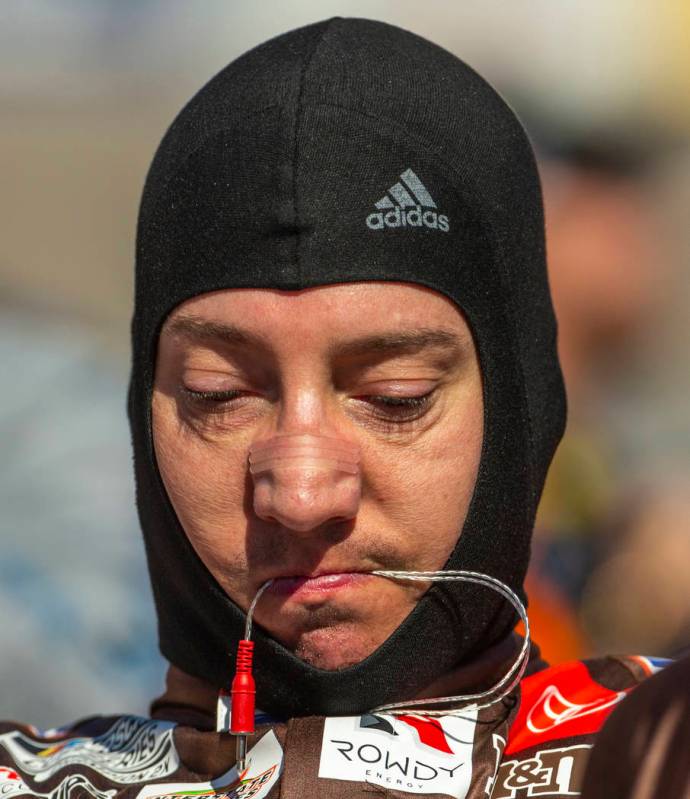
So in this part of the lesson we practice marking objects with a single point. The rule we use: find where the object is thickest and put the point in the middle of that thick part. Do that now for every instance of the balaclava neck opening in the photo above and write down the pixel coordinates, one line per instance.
(295, 167)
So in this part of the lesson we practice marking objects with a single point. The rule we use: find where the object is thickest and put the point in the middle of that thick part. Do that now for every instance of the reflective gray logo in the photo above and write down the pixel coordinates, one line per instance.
(407, 204)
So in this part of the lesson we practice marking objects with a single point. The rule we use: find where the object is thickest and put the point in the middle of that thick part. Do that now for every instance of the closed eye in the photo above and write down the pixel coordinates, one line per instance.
(397, 409)
(212, 397)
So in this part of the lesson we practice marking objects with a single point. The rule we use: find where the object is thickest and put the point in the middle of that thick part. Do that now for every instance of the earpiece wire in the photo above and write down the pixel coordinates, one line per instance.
(517, 668)
(250, 612)
(419, 706)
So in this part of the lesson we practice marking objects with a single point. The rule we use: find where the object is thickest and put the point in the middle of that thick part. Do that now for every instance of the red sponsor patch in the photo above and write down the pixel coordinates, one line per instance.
(560, 702)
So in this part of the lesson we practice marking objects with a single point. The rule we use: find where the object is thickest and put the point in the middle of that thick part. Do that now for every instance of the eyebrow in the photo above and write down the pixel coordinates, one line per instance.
(398, 342)
(203, 330)
(403, 342)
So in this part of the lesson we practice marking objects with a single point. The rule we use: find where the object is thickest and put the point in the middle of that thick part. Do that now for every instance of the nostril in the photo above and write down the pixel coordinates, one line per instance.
(301, 504)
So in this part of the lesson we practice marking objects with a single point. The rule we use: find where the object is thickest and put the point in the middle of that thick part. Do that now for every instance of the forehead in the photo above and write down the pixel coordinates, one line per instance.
(340, 311)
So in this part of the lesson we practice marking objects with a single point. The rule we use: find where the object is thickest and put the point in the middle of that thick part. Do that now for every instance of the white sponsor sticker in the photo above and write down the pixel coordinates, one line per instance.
(223, 712)
(264, 766)
(417, 754)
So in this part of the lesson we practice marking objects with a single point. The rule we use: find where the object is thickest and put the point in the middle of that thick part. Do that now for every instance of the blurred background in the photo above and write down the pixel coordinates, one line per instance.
(87, 88)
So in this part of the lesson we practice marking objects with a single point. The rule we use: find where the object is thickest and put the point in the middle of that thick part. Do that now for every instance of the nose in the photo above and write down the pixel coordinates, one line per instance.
(303, 481)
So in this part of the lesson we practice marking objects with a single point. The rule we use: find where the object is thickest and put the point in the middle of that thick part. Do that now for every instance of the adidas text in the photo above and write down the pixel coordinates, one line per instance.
(415, 217)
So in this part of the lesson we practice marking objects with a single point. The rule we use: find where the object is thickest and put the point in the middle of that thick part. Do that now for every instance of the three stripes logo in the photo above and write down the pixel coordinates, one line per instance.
(407, 204)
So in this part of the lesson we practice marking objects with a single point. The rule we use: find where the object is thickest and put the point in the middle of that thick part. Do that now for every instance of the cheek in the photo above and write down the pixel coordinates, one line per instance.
(424, 490)
(205, 481)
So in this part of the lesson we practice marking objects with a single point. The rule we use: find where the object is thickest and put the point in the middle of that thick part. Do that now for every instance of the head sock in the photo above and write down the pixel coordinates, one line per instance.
(348, 151)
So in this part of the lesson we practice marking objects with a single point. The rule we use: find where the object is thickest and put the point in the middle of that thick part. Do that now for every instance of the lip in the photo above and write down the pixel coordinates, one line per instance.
(318, 584)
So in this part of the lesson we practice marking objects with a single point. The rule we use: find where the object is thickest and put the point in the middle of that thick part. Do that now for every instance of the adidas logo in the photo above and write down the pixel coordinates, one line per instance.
(410, 207)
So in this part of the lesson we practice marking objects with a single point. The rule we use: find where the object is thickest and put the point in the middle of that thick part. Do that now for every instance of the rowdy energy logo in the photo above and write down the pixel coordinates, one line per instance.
(132, 750)
(406, 753)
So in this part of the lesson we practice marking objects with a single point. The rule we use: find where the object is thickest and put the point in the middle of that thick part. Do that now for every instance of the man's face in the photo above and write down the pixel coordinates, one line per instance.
(389, 367)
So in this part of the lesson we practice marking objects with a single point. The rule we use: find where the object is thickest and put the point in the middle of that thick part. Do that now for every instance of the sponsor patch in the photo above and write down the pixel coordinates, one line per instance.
(551, 772)
(561, 702)
(264, 766)
(651, 665)
(132, 750)
(412, 753)
(12, 785)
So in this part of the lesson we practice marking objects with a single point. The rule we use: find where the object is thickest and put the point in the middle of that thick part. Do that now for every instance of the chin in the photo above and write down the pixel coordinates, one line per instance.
(335, 648)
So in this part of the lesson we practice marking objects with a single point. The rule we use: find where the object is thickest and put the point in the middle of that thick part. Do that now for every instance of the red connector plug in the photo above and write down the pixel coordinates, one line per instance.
(243, 691)
(243, 700)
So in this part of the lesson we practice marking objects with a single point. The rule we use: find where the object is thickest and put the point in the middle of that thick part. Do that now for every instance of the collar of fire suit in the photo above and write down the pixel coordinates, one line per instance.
(191, 701)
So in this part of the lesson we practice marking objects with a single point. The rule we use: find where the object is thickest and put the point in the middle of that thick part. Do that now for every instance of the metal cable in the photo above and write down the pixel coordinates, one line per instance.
(250, 612)
(518, 667)
(470, 701)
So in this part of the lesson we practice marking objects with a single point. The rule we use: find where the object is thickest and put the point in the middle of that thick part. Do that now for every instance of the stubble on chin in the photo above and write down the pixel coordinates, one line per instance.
(334, 637)
(336, 647)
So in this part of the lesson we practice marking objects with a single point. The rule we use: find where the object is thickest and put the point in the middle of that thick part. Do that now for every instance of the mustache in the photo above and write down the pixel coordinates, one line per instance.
(340, 546)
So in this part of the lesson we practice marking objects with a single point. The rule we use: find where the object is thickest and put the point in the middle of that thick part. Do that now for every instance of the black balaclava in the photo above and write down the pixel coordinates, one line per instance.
(344, 151)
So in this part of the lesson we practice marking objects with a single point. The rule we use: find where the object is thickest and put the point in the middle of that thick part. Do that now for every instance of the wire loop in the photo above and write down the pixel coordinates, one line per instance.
(518, 667)
(469, 701)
